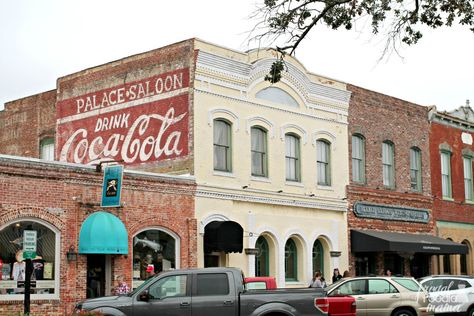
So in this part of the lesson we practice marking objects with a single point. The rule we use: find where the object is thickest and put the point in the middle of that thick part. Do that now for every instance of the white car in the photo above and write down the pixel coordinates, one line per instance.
(450, 294)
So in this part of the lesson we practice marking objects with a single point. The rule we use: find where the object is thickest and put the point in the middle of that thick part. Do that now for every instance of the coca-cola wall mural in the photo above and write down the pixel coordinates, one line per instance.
(136, 122)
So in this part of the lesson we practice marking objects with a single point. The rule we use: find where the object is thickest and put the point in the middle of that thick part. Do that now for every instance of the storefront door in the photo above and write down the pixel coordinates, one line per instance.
(420, 265)
(98, 275)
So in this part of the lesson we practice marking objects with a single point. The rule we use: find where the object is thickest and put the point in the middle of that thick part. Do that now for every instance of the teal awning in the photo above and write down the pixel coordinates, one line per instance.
(103, 233)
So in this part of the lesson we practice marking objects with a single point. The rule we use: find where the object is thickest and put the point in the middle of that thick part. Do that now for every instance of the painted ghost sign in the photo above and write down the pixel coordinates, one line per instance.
(137, 122)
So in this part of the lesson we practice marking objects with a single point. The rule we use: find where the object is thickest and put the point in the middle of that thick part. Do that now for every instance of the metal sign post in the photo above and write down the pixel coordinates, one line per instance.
(29, 252)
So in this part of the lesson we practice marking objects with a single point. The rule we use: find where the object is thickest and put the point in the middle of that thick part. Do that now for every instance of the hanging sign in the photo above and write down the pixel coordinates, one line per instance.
(112, 186)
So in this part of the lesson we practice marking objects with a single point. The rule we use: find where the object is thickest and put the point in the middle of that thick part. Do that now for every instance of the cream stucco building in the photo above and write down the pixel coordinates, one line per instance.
(273, 159)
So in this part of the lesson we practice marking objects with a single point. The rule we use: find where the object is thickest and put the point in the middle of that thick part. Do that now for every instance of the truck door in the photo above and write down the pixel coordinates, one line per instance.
(168, 296)
(214, 294)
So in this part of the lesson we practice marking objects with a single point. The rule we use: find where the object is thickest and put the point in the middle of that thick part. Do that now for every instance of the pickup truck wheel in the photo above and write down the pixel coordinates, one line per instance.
(403, 312)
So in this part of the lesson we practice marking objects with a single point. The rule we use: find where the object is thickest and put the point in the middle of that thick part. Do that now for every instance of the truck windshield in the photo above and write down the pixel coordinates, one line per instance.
(409, 284)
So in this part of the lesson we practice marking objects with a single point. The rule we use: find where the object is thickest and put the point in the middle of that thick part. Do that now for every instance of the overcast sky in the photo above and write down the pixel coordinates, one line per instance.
(44, 40)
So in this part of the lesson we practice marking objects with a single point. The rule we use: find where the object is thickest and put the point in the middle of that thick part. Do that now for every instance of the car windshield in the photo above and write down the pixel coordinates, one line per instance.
(409, 284)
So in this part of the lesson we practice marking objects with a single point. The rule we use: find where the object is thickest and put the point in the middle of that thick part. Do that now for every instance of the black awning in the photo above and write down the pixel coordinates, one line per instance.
(375, 241)
(224, 236)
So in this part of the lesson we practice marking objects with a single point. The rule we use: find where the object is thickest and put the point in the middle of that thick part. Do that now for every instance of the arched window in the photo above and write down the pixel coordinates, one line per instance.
(45, 260)
(323, 162)
(291, 261)
(318, 257)
(262, 259)
(358, 159)
(277, 95)
(388, 164)
(259, 152)
(292, 158)
(222, 146)
(153, 249)
(415, 169)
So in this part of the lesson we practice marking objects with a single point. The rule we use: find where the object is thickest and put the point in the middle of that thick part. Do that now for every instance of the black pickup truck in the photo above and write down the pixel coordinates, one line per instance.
(207, 292)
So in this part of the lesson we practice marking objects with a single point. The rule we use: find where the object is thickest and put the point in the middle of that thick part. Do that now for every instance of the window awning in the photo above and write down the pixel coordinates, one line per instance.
(374, 241)
(103, 233)
(224, 236)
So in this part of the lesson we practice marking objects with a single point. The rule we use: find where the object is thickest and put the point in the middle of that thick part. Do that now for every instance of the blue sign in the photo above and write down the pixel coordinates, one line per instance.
(112, 186)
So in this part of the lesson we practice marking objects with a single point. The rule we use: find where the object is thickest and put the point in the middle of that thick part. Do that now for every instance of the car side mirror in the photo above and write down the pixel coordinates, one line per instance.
(144, 296)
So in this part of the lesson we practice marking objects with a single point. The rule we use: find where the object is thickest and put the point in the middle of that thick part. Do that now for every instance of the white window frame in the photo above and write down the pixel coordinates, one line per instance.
(323, 162)
(468, 181)
(415, 169)
(388, 164)
(358, 158)
(47, 149)
(446, 188)
(293, 158)
(57, 264)
(261, 152)
(228, 146)
(177, 250)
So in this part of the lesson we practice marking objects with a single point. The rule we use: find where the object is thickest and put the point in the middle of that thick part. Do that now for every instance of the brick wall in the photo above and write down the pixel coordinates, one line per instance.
(379, 117)
(134, 69)
(456, 210)
(32, 189)
(25, 122)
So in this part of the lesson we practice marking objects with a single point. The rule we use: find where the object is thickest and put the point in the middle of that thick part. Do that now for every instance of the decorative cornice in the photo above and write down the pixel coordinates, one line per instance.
(248, 74)
(285, 110)
(220, 195)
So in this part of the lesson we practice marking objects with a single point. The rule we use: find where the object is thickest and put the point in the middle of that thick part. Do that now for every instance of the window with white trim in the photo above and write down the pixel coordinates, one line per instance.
(323, 162)
(446, 174)
(292, 157)
(259, 152)
(388, 164)
(47, 149)
(415, 169)
(222, 146)
(153, 249)
(45, 260)
(468, 188)
(358, 159)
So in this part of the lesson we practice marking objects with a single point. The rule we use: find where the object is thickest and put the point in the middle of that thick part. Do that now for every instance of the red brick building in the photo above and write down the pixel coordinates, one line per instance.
(135, 111)
(57, 200)
(452, 155)
(390, 219)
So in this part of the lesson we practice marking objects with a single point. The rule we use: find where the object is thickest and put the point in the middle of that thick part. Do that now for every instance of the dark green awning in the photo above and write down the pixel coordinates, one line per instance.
(103, 233)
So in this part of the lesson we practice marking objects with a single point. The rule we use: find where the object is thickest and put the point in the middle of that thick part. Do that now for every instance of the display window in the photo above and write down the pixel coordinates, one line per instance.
(154, 250)
(45, 275)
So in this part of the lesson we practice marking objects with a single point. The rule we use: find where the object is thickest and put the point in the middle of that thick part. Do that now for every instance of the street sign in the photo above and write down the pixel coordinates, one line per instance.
(29, 244)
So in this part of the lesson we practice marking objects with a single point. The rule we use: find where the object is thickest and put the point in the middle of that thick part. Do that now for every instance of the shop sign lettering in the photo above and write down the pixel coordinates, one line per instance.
(388, 212)
(138, 122)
